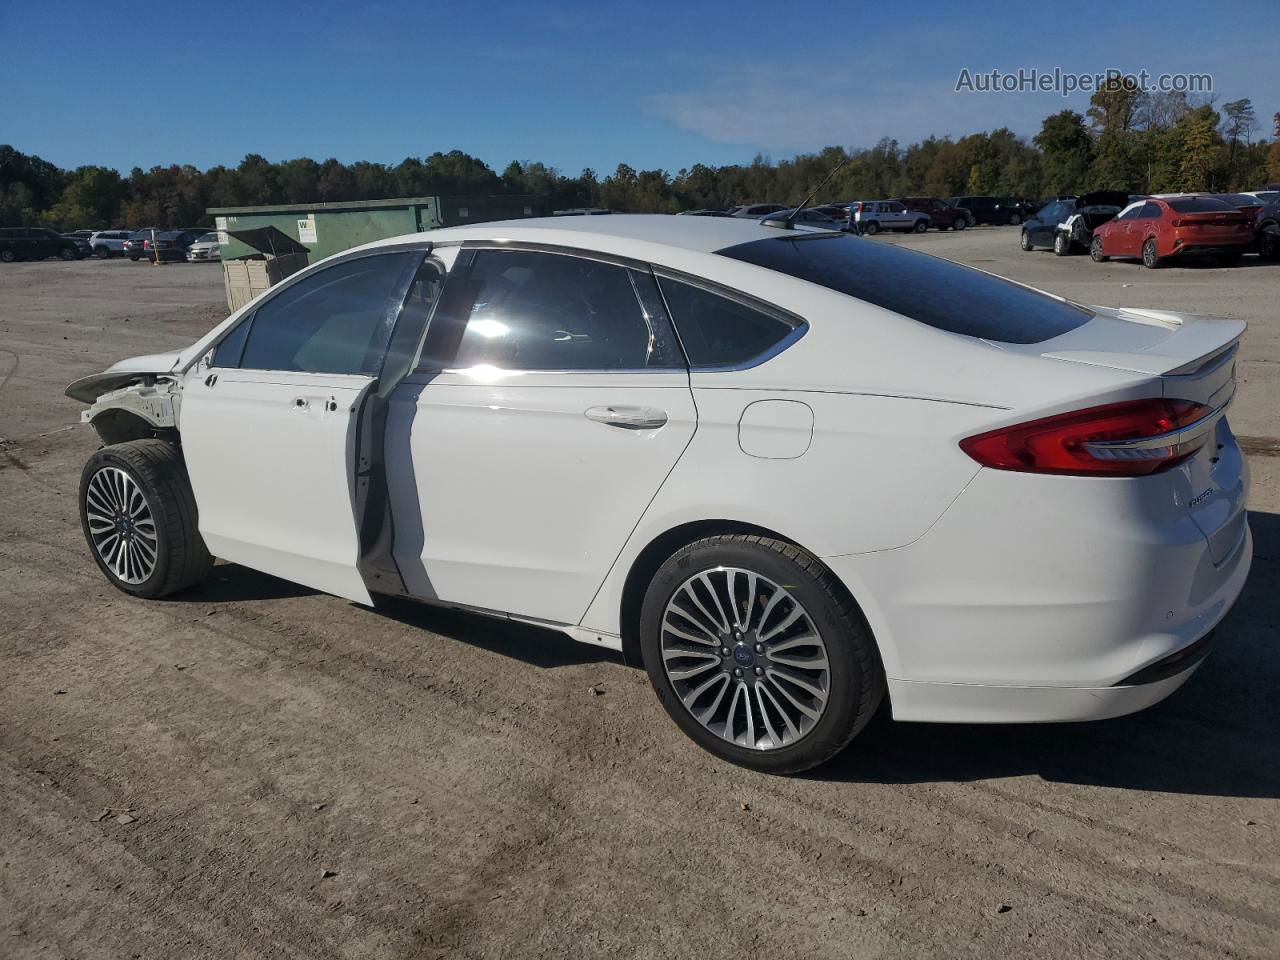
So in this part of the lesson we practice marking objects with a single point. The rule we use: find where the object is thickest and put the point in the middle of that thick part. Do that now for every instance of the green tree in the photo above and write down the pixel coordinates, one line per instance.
(1067, 151)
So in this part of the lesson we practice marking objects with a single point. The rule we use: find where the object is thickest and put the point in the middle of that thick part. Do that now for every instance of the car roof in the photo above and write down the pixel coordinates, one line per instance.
(624, 234)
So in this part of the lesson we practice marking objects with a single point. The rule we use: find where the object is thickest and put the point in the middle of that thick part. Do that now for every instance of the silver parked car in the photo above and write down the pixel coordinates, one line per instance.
(108, 243)
(205, 247)
(872, 216)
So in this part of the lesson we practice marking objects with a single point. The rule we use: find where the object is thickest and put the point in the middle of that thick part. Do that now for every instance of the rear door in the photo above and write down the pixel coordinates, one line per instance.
(550, 405)
(271, 426)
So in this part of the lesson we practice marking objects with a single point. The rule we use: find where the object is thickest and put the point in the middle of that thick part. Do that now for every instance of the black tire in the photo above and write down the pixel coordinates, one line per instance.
(1269, 243)
(8, 256)
(1024, 241)
(66, 253)
(1015, 219)
(1150, 257)
(856, 679)
(102, 253)
(1061, 245)
(921, 226)
(871, 228)
(1095, 251)
(158, 469)
(959, 223)
(133, 257)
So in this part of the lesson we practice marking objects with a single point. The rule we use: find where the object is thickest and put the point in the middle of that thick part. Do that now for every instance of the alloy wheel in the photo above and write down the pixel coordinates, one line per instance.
(121, 525)
(745, 658)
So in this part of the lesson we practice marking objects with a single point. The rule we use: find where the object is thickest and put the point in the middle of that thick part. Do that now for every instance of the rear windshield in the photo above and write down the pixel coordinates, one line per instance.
(933, 291)
(1199, 205)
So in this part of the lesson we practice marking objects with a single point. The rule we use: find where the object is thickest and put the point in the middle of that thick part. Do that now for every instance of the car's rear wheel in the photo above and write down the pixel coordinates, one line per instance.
(66, 253)
(1150, 257)
(758, 653)
(8, 256)
(921, 226)
(1015, 219)
(1061, 244)
(1269, 243)
(102, 253)
(871, 228)
(139, 517)
(959, 223)
(1095, 251)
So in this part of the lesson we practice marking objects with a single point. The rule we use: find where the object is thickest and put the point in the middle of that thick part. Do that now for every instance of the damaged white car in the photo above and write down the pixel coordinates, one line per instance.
(794, 472)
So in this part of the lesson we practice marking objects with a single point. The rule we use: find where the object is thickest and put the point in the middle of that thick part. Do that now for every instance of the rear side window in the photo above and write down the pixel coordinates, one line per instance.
(927, 289)
(717, 331)
(335, 321)
(1199, 205)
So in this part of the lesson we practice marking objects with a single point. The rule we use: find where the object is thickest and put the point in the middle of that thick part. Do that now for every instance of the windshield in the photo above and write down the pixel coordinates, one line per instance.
(927, 289)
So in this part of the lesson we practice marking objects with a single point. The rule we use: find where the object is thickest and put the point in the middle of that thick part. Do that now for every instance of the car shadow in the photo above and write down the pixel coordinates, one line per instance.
(537, 646)
(1216, 736)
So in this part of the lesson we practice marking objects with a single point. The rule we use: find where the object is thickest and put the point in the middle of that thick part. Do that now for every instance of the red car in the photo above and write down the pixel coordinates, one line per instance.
(1155, 229)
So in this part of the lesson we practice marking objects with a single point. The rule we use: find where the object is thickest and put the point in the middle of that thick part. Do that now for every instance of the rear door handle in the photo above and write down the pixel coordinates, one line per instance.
(628, 418)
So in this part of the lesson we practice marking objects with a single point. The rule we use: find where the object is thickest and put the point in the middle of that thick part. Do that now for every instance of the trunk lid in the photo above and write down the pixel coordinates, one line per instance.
(1193, 358)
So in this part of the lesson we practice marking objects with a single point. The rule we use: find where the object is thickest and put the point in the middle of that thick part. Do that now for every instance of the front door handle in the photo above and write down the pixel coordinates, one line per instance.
(629, 418)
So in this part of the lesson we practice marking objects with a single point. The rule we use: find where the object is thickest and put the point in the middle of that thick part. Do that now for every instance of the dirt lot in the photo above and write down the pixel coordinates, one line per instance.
(254, 770)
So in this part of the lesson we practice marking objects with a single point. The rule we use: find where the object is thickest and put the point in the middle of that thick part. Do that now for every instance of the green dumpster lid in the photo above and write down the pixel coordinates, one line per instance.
(269, 240)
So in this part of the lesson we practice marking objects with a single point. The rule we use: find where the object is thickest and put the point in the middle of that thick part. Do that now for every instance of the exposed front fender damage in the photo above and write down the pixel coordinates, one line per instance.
(139, 410)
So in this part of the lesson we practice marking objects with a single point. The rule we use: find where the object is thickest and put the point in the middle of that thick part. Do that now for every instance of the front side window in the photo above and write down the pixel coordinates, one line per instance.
(717, 331)
(335, 321)
(549, 311)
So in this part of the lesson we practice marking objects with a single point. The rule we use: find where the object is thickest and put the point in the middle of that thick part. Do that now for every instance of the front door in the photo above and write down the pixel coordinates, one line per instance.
(551, 404)
(270, 426)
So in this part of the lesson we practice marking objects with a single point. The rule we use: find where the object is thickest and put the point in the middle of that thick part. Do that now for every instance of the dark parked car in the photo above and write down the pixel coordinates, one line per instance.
(37, 243)
(170, 245)
(994, 209)
(941, 214)
(1067, 225)
(1267, 230)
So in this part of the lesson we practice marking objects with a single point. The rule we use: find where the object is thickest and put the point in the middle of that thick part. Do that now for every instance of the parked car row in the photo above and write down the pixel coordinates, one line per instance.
(38, 243)
(1157, 229)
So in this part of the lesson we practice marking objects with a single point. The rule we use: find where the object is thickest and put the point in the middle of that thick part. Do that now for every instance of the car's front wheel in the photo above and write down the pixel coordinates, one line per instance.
(959, 223)
(66, 253)
(1015, 219)
(1025, 242)
(1095, 251)
(758, 653)
(139, 517)
(921, 226)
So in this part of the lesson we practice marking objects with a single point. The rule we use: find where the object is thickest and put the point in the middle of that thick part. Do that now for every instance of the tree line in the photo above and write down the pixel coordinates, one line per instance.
(1126, 140)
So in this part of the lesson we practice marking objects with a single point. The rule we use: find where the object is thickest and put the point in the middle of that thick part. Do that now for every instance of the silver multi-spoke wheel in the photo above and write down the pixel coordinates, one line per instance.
(745, 658)
(121, 525)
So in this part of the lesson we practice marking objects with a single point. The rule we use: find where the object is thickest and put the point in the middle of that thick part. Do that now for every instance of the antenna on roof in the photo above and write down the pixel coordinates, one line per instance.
(786, 223)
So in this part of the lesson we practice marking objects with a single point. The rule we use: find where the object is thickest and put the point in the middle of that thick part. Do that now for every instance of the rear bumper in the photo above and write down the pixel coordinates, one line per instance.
(927, 702)
(1212, 249)
(1042, 599)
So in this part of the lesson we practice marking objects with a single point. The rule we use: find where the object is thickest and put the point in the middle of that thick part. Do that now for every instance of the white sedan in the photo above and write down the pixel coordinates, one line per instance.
(792, 472)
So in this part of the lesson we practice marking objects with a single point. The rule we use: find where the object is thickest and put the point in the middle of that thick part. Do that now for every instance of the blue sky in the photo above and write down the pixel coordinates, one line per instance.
(653, 84)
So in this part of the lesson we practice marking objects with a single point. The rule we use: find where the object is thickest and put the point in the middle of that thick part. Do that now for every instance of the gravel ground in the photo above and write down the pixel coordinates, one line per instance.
(255, 770)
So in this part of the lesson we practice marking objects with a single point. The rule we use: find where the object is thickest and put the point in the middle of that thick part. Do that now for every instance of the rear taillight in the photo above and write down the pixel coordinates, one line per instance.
(1119, 439)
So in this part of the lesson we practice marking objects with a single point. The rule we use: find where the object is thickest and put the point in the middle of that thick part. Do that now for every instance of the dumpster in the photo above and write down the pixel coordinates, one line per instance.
(275, 255)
